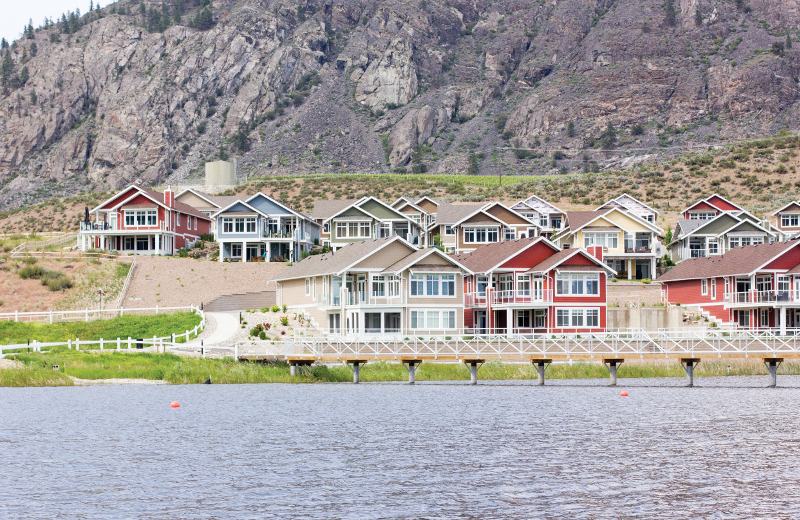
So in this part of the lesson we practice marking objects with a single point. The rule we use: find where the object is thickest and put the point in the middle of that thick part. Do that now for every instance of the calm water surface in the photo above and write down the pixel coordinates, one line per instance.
(574, 449)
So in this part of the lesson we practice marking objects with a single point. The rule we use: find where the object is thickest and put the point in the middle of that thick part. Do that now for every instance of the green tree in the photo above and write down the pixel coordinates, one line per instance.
(223, 155)
(23, 76)
(177, 11)
(670, 16)
(472, 169)
(33, 97)
(788, 44)
(608, 139)
(239, 139)
(34, 49)
(570, 129)
(165, 17)
(698, 17)
(668, 237)
(204, 20)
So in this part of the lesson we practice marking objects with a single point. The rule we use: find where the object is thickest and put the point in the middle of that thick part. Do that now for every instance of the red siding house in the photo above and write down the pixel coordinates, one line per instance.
(143, 222)
(750, 287)
(530, 286)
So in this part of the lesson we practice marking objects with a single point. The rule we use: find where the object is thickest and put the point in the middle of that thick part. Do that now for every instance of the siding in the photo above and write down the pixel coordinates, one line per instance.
(121, 197)
(532, 256)
(787, 260)
(428, 206)
(700, 207)
(688, 292)
(380, 211)
(293, 294)
(507, 216)
(387, 256)
(480, 217)
(722, 204)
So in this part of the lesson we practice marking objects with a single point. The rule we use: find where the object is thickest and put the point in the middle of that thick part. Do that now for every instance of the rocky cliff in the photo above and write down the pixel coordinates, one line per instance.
(320, 86)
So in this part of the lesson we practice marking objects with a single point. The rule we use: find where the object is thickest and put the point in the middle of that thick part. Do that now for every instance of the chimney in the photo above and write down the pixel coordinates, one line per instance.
(596, 251)
(169, 197)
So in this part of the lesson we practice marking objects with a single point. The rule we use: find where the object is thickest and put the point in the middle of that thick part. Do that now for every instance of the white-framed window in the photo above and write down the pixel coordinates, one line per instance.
(703, 215)
(543, 221)
(379, 286)
(577, 318)
(326, 227)
(524, 285)
(236, 250)
(195, 223)
(429, 319)
(386, 229)
(480, 235)
(352, 230)
(704, 287)
(250, 225)
(128, 245)
(609, 240)
(509, 234)
(790, 220)
(713, 247)
(524, 319)
(308, 286)
(448, 230)
(227, 225)
(745, 241)
(314, 288)
(577, 284)
(143, 217)
(539, 318)
(784, 284)
(727, 286)
(177, 219)
(713, 288)
(433, 285)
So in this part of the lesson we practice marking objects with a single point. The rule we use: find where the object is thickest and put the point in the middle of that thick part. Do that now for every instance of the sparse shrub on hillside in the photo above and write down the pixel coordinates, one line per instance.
(31, 272)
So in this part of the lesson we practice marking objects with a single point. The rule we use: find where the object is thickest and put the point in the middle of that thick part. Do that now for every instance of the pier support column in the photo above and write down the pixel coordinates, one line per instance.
(355, 366)
(411, 366)
(688, 365)
(296, 366)
(541, 366)
(612, 365)
(772, 365)
(473, 365)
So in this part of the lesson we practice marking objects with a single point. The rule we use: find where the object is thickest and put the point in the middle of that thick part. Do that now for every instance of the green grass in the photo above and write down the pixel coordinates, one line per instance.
(181, 370)
(12, 333)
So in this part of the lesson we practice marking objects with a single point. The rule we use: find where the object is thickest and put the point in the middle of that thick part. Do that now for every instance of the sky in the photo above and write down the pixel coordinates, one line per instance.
(15, 14)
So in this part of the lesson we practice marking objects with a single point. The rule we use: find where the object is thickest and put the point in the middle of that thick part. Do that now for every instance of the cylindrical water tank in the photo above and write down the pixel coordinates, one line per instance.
(219, 173)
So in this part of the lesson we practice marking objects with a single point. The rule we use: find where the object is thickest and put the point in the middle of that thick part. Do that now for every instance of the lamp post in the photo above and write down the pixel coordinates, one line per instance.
(100, 292)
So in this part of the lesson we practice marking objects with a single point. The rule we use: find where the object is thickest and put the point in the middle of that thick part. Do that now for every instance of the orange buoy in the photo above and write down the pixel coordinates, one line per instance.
(176, 404)
(623, 394)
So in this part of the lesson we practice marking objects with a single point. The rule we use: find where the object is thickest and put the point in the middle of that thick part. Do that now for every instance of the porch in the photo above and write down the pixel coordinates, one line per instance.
(260, 251)
(135, 244)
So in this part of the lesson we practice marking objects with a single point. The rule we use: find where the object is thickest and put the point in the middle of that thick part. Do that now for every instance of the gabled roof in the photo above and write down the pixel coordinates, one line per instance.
(491, 256)
(744, 261)
(358, 203)
(243, 203)
(563, 256)
(156, 197)
(795, 203)
(326, 208)
(621, 203)
(526, 204)
(404, 199)
(416, 256)
(686, 227)
(279, 204)
(584, 218)
(405, 203)
(449, 214)
(707, 200)
(208, 198)
(340, 260)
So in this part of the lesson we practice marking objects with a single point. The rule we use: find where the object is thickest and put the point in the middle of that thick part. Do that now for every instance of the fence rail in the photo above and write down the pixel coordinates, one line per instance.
(161, 343)
(41, 244)
(62, 255)
(87, 314)
(126, 285)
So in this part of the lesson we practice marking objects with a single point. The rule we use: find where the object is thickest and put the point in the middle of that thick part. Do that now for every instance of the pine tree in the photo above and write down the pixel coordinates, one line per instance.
(23, 76)
(570, 129)
(91, 6)
(204, 19)
(698, 17)
(788, 42)
(177, 11)
(165, 17)
(670, 16)
(34, 49)
(3, 44)
(33, 97)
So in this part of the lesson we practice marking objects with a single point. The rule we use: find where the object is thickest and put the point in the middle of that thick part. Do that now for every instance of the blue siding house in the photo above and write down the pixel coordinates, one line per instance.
(261, 229)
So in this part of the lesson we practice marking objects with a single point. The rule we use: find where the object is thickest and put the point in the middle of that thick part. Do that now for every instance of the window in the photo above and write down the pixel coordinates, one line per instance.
(704, 287)
(577, 284)
(142, 243)
(227, 225)
(784, 284)
(506, 282)
(236, 250)
(251, 225)
(562, 318)
(609, 240)
(524, 319)
(509, 234)
(314, 288)
(543, 221)
(448, 230)
(713, 288)
(790, 220)
(177, 219)
(326, 227)
(483, 282)
(556, 222)
(592, 318)
(745, 241)
(238, 225)
(576, 318)
(433, 319)
(386, 229)
(727, 286)
(195, 223)
(352, 230)
(147, 217)
(433, 285)
(539, 318)
(129, 243)
(379, 286)
(702, 216)
(308, 286)
(480, 235)
(524, 285)
(341, 230)
(713, 247)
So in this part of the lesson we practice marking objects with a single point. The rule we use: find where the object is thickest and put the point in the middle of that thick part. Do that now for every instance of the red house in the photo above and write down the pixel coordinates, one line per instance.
(751, 287)
(143, 222)
(529, 285)
(709, 208)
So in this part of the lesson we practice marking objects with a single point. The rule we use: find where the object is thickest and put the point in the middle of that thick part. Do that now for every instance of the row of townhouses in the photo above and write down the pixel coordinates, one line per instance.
(426, 265)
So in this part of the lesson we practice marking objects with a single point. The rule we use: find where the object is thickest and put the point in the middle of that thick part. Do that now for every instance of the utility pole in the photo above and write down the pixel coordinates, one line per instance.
(499, 172)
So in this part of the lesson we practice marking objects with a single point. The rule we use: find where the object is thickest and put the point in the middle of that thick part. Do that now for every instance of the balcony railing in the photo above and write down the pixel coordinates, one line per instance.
(107, 226)
(359, 298)
(698, 253)
(755, 296)
(639, 249)
(518, 297)
(293, 235)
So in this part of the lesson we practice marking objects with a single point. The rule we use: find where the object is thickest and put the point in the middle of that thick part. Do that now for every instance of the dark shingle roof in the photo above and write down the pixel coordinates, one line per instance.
(447, 213)
(738, 261)
(490, 255)
(179, 206)
(577, 219)
(325, 208)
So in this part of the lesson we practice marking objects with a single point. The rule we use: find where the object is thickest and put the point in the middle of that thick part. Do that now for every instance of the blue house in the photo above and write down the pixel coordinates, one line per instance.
(259, 229)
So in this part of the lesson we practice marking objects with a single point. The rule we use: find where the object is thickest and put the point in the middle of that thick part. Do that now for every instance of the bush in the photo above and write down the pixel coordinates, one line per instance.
(285, 321)
(647, 280)
(254, 331)
(56, 281)
(284, 307)
(183, 252)
(262, 335)
(207, 237)
(275, 308)
(264, 310)
(30, 260)
(31, 272)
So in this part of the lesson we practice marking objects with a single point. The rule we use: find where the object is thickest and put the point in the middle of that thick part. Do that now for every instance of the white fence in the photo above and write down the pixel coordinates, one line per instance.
(161, 343)
(42, 244)
(88, 314)
(126, 285)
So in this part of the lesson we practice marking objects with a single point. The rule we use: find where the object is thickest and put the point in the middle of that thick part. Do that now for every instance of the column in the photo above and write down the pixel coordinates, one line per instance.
(612, 365)
(244, 250)
(221, 250)
(510, 322)
(631, 268)
(158, 244)
(653, 268)
(102, 241)
(782, 318)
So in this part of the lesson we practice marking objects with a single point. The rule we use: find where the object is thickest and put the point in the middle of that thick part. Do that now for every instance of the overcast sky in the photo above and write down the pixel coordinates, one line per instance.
(16, 13)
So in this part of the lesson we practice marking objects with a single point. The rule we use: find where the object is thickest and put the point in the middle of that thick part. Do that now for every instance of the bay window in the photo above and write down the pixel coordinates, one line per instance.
(577, 318)
(433, 285)
(480, 235)
(433, 319)
(609, 240)
(146, 217)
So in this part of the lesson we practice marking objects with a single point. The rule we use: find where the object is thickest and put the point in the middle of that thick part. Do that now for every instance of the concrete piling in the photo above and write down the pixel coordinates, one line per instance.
(411, 366)
(541, 366)
(612, 365)
(772, 365)
(688, 365)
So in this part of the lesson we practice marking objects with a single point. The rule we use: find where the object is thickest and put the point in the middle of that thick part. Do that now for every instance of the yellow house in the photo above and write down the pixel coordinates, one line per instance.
(630, 243)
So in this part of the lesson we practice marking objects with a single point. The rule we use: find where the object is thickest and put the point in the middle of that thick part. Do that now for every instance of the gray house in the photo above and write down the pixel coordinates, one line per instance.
(260, 229)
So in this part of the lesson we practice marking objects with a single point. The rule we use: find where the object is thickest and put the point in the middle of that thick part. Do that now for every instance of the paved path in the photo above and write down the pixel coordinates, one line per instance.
(227, 325)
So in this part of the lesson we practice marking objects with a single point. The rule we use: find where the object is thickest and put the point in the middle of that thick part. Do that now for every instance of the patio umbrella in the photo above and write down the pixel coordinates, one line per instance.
(86, 214)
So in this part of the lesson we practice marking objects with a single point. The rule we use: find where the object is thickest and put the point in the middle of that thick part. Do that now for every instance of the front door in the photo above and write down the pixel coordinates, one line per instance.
(742, 291)
(537, 286)
(362, 289)
(480, 322)
(113, 221)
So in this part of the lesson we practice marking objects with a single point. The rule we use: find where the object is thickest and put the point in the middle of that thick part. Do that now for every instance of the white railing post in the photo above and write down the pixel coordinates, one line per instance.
(77, 344)
(16, 315)
(51, 317)
(69, 344)
(236, 352)
(129, 342)
(155, 344)
(101, 343)
(87, 315)
(118, 343)
(156, 309)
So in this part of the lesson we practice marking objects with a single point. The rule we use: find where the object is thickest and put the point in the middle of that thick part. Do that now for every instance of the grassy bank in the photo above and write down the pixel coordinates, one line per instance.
(180, 370)
(121, 327)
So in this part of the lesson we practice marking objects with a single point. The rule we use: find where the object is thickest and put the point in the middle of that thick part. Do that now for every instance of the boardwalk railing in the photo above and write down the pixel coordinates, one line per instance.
(126, 285)
(161, 343)
(43, 244)
(64, 255)
(667, 343)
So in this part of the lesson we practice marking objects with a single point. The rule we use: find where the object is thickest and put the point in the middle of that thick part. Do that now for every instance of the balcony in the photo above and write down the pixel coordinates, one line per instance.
(698, 253)
(639, 249)
(754, 297)
(503, 298)
(286, 235)
(100, 227)
(360, 299)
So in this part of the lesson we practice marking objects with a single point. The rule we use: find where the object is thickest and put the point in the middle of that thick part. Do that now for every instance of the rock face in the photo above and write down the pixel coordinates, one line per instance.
(322, 86)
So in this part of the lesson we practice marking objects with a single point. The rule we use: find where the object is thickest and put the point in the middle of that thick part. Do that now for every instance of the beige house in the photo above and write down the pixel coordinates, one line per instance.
(465, 227)
(382, 286)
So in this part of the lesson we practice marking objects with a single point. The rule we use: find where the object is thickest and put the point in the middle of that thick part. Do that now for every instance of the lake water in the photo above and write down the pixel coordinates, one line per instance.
(573, 449)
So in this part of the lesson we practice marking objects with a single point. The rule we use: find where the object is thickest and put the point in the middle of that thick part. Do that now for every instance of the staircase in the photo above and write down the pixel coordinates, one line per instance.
(240, 301)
